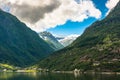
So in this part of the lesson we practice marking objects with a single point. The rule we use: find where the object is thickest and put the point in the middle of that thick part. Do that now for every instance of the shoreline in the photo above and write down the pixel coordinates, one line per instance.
(68, 72)
(87, 72)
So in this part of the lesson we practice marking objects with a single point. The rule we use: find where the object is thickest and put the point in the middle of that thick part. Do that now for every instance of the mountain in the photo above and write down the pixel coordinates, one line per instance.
(68, 40)
(19, 45)
(51, 40)
(98, 48)
(59, 38)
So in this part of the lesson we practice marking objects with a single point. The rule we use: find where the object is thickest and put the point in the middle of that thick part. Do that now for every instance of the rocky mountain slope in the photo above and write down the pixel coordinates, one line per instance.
(51, 40)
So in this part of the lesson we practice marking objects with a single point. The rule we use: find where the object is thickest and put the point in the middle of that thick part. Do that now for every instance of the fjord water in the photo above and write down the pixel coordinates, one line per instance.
(57, 76)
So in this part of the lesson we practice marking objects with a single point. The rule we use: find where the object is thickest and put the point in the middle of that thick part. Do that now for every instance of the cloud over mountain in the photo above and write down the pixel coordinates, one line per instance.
(43, 14)
(111, 4)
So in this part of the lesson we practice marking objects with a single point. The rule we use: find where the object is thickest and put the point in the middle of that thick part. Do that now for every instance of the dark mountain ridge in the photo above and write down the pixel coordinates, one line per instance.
(19, 45)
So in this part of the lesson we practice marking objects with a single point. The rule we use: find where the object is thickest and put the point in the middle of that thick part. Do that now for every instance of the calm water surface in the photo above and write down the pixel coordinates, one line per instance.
(57, 76)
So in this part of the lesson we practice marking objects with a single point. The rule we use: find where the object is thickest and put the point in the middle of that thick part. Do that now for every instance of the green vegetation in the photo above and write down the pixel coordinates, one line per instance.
(19, 45)
(6, 66)
(98, 48)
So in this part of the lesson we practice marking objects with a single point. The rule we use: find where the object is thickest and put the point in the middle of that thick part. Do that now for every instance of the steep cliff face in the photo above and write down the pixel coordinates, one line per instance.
(19, 45)
(97, 48)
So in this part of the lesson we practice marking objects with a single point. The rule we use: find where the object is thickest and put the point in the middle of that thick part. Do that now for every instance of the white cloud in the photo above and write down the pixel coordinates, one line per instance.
(40, 15)
(4, 4)
(111, 4)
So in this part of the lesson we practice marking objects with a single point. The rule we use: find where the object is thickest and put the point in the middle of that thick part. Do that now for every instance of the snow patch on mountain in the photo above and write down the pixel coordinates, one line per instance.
(68, 40)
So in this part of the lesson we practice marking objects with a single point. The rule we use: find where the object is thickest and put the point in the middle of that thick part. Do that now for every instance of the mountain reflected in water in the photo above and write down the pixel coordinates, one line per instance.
(57, 76)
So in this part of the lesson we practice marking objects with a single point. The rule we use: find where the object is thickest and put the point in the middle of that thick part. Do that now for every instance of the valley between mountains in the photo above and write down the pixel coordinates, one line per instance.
(97, 49)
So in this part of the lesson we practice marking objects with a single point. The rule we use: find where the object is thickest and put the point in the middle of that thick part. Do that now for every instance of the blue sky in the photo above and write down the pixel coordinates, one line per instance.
(78, 27)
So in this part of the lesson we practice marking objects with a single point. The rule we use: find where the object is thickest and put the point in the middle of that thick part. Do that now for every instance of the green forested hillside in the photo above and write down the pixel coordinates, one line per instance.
(19, 45)
(98, 48)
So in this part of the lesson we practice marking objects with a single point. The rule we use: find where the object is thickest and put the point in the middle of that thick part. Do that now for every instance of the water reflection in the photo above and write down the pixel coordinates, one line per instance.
(58, 76)
(5, 76)
(77, 74)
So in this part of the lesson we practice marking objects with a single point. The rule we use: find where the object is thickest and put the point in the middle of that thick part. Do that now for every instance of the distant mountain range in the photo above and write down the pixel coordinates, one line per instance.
(51, 40)
(19, 45)
(98, 48)
(67, 40)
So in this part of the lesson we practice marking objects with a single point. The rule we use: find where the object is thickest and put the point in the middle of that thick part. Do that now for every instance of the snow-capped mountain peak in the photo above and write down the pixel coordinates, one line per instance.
(68, 40)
